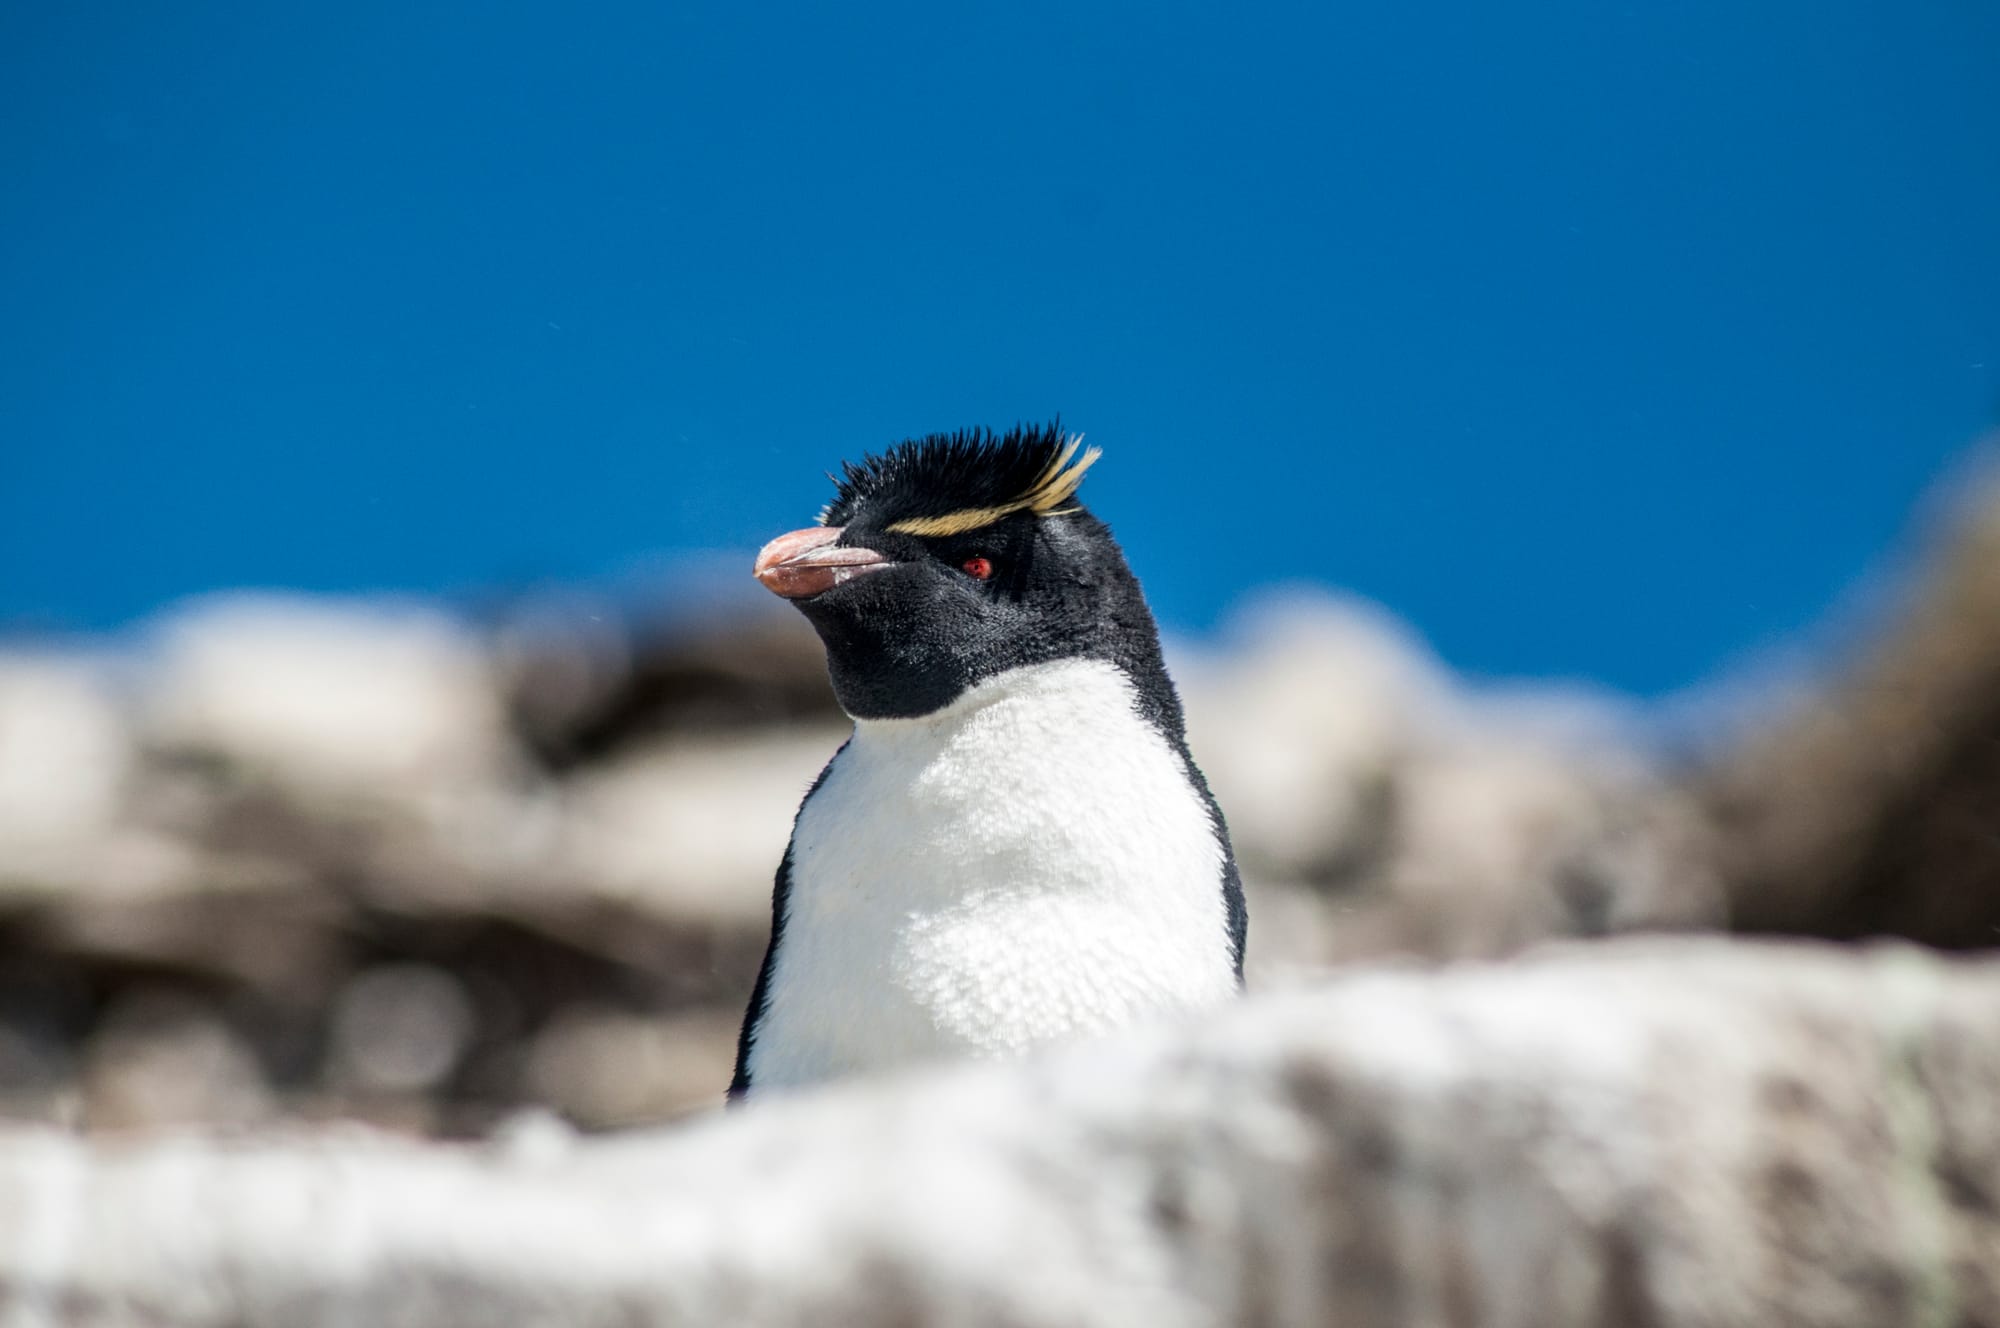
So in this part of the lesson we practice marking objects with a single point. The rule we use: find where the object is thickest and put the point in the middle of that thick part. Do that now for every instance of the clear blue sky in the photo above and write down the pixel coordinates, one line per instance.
(1608, 341)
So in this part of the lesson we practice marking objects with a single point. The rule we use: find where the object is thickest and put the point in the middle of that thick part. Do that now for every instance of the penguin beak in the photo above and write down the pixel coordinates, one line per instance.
(806, 562)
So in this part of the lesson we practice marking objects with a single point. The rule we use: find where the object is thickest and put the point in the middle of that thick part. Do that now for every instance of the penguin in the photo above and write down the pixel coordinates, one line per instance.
(1014, 845)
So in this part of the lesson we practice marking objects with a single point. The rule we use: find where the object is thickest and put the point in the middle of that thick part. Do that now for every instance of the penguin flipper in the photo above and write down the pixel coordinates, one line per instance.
(739, 1083)
(760, 995)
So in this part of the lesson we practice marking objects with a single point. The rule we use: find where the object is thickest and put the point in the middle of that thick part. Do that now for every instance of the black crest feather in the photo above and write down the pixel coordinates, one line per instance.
(921, 483)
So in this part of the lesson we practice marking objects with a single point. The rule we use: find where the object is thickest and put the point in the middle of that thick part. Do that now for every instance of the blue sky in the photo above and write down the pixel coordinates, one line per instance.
(1601, 341)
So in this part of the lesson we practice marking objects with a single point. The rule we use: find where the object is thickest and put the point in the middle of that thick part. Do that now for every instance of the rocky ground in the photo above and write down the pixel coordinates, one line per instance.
(292, 858)
(1639, 1133)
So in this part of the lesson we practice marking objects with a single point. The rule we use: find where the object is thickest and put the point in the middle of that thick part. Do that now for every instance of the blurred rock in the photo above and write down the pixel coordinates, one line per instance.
(161, 1059)
(1431, 820)
(429, 871)
(1305, 724)
(68, 761)
(695, 826)
(327, 699)
(65, 753)
(583, 684)
(400, 1028)
(1870, 803)
(1658, 1134)
(608, 1068)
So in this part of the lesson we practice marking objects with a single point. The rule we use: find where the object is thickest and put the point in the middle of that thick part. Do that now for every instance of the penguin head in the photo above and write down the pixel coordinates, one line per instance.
(953, 558)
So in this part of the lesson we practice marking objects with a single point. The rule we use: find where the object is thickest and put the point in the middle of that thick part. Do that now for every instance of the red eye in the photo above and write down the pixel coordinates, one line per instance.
(978, 568)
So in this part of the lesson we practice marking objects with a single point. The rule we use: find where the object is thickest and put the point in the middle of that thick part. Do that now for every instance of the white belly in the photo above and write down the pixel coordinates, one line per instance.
(1028, 864)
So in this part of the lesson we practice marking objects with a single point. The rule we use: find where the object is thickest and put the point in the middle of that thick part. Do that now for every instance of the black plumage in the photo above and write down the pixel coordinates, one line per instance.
(942, 473)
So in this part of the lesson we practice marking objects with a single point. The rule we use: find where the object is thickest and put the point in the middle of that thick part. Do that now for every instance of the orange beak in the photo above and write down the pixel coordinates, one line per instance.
(806, 562)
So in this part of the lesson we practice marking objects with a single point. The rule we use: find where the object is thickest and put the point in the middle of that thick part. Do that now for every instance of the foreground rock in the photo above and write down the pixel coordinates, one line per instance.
(1694, 1133)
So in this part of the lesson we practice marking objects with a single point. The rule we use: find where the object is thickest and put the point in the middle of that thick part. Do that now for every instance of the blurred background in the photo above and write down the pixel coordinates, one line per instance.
(1550, 442)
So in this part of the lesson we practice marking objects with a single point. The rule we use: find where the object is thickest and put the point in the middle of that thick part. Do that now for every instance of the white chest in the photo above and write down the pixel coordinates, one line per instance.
(1027, 864)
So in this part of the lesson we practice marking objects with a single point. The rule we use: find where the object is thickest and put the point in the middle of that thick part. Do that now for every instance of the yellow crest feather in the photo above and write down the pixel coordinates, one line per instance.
(1053, 487)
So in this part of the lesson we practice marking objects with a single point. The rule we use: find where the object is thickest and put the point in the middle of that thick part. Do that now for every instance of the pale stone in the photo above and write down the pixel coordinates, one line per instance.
(1661, 1134)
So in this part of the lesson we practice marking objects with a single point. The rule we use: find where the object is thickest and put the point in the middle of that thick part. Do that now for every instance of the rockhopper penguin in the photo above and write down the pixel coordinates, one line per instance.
(1014, 845)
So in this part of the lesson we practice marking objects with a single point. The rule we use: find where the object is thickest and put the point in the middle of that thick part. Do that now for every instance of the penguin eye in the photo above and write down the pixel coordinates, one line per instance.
(978, 567)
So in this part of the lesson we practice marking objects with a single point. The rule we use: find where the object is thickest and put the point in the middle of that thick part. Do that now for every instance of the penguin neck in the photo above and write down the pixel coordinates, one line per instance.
(1023, 679)
(1081, 688)
(1128, 675)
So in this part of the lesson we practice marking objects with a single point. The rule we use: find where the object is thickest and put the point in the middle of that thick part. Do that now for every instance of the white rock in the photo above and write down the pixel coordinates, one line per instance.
(695, 826)
(325, 696)
(1675, 1135)
(65, 758)
(1317, 702)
